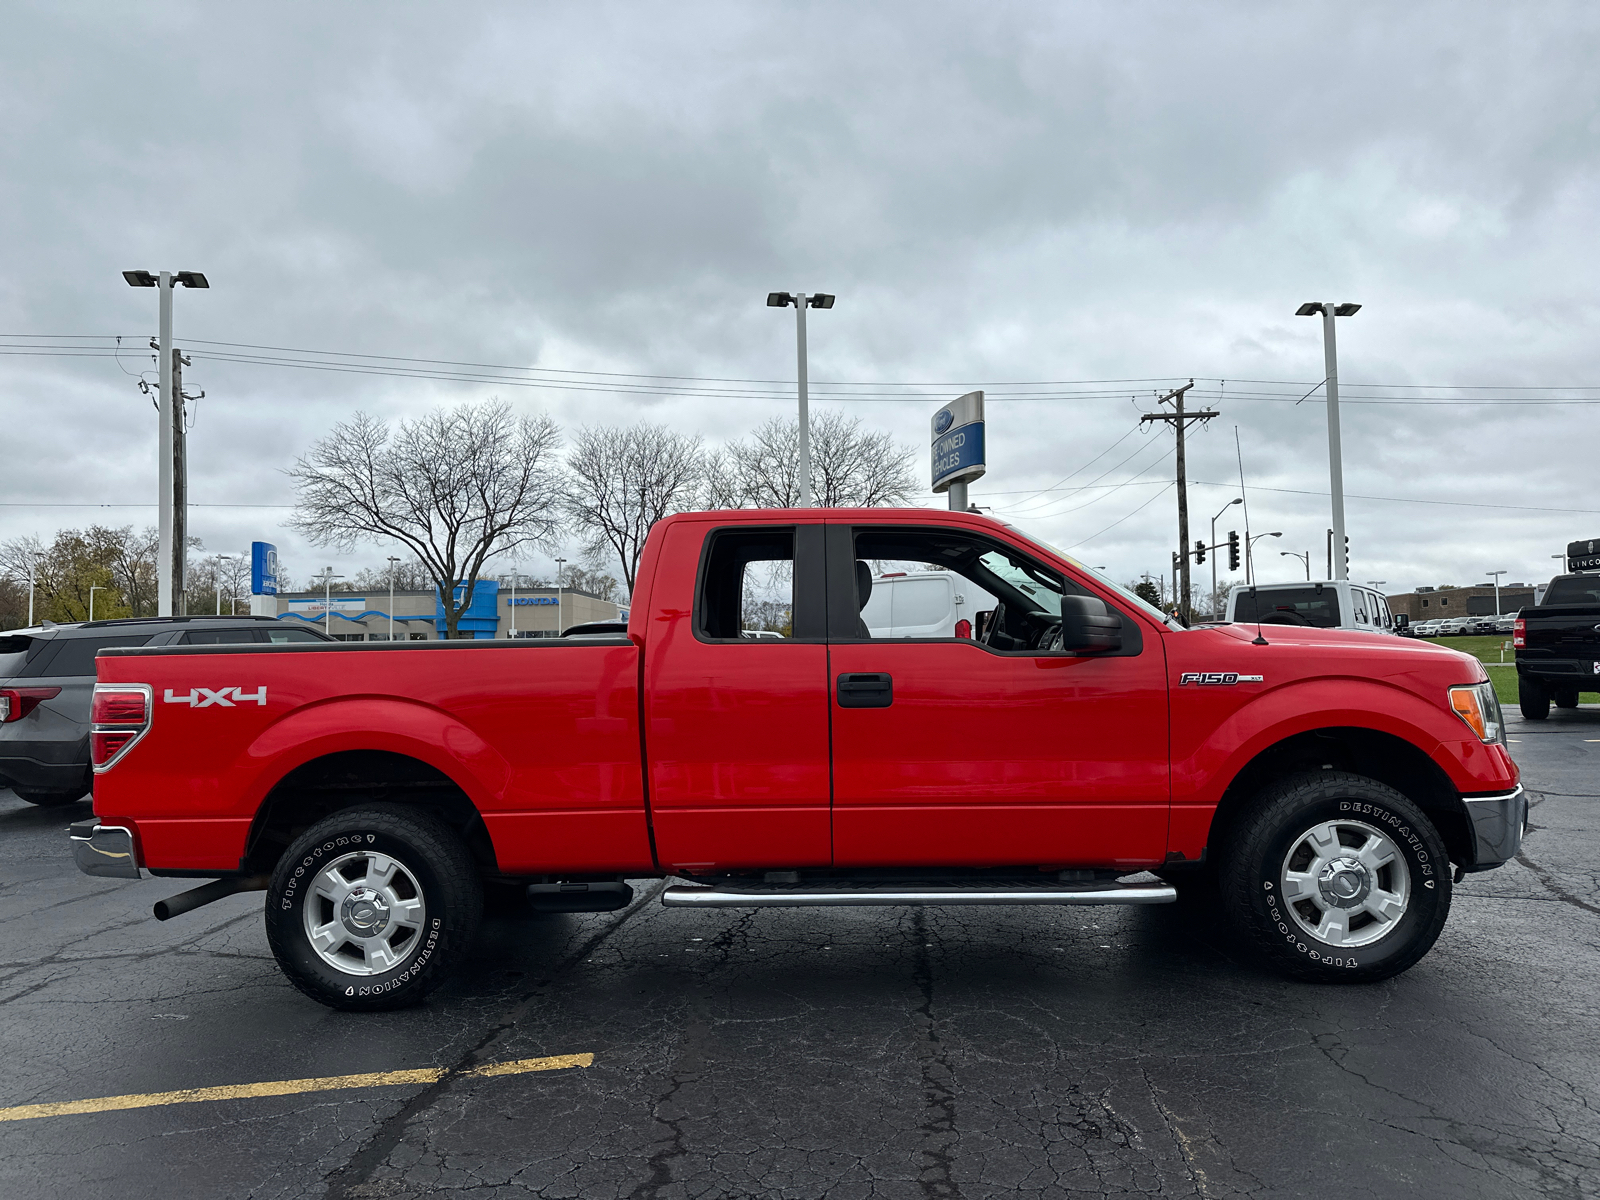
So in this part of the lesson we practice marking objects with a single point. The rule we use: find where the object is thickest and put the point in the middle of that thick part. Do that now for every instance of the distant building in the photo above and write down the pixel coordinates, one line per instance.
(419, 616)
(1433, 604)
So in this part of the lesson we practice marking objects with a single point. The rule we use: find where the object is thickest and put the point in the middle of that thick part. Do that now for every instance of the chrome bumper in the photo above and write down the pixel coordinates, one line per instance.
(1498, 823)
(103, 849)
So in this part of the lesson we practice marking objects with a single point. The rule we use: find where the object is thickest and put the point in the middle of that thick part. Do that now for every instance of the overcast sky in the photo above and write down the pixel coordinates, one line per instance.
(999, 194)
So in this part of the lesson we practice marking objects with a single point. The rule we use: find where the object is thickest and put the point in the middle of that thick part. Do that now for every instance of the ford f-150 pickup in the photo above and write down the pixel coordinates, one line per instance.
(1319, 785)
(1558, 640)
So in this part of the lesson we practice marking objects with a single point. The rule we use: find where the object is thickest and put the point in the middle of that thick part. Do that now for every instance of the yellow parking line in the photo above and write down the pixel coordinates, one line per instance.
(288, 1087)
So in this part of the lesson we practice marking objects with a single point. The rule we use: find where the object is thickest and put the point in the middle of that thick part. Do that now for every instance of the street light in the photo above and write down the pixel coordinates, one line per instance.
(1330, 355)
(326, 580)
(169, 569)
(1249, 559)
(1220, 511)
(392, 561)
(1305, 558)
(220, 558)
(560, 562)
(1496, 576)
(801, 302)
(99, 587)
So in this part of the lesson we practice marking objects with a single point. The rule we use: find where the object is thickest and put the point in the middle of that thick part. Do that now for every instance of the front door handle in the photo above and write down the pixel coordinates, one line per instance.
(866, 689)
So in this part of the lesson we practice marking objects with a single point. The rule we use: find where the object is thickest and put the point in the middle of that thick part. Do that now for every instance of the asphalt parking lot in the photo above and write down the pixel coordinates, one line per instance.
(808, 1053)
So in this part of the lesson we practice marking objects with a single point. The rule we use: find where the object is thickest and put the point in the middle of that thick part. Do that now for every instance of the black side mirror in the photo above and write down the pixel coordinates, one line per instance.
(1087, 626)
(1402, 620)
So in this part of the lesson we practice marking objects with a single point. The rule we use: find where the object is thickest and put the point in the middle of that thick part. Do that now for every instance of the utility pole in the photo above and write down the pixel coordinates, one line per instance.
(180, 489)
(1180, 421)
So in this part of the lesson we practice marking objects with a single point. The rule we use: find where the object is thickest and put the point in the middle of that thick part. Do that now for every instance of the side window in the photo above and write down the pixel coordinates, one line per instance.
(218, 637)
(280, 636)
(761, 585)
(1358, 601)
(76, 655)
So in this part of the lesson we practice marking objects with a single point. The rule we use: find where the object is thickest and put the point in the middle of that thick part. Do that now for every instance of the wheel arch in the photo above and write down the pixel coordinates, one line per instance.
(346, 779)
(1385, 757)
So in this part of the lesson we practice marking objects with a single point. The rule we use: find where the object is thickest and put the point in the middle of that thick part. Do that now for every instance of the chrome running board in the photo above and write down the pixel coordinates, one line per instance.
(723, 896)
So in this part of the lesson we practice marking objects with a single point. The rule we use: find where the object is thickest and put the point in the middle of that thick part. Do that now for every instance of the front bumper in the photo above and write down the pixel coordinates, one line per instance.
(106, 850)
(1498, 823)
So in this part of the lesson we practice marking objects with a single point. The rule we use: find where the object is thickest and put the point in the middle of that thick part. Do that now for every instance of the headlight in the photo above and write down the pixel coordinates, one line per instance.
(1479, 707)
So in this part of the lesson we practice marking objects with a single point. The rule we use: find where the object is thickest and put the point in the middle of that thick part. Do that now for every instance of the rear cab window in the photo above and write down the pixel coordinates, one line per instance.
(1313, 607)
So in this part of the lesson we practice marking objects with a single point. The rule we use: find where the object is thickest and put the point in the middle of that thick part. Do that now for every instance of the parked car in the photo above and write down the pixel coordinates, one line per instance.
(1557, 642)
(1329, 604)
(47, 678)
(921, 604)
(373, 789)
(1424, 629)
(1452, 627)
(1506, 624)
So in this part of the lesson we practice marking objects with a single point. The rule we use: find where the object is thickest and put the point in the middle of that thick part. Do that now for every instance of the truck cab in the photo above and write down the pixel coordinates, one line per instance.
(1320, 604)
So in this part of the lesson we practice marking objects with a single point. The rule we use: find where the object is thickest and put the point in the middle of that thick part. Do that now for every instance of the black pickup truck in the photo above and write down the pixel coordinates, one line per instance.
(1558, 640)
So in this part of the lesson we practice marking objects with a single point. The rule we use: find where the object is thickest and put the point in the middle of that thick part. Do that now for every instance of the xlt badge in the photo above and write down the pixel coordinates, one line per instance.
(1217, 678)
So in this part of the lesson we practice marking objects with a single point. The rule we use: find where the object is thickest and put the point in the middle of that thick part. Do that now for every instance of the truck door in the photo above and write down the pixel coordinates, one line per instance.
(736, 729)
(962, 752)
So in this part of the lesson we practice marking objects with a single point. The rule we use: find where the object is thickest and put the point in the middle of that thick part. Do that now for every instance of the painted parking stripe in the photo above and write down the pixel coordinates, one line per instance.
(289, 1087)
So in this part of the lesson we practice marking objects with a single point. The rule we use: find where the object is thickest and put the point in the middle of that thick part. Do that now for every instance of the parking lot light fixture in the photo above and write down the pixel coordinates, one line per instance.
(393, 561)
(801, 302)
(1495, 575)
(326, 580)
(1330, 355)
(560, 562)
(1305, 558)
(220, 559)
(99, 587)
(1249, 556)
(1220, 511)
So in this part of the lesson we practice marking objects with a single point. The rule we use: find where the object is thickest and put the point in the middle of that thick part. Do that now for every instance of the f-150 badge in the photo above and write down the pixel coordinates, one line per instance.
(225, 697)
(1217, 678)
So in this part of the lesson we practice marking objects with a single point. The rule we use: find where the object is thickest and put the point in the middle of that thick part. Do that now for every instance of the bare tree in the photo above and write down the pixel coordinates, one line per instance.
(850, 466)
(116, 563)
(454, 487)
(595, 582)
(626, 479)
(203, 574)
(408, 575)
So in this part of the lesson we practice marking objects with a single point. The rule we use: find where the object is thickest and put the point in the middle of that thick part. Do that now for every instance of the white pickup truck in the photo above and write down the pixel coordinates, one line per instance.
(1328, 604)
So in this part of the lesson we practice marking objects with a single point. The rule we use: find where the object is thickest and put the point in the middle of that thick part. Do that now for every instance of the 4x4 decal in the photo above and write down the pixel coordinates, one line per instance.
(225, 697)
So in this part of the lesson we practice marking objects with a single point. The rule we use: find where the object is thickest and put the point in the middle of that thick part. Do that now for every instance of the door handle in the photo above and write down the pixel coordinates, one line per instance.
(866, 689)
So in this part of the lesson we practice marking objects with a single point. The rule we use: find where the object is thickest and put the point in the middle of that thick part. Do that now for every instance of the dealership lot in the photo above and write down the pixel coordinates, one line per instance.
(849, 1053)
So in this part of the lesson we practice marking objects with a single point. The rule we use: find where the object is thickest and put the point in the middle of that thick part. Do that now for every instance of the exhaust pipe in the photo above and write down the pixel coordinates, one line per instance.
(206, 893)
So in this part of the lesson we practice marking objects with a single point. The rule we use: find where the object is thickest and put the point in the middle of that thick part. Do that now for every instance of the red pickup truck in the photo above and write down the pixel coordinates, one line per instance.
(1083, 748)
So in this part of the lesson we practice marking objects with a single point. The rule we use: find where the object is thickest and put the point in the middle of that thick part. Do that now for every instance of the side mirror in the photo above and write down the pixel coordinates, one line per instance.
(1087, 626)
(1402, 621)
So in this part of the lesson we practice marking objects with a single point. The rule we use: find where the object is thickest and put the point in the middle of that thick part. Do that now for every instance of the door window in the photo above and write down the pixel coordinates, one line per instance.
(219, 637)
(748, 586)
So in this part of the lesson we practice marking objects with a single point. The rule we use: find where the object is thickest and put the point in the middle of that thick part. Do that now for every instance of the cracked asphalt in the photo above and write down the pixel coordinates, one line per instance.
(836, 1052)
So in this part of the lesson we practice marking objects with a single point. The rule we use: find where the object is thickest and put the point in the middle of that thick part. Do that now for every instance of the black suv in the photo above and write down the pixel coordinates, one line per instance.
(47, 681)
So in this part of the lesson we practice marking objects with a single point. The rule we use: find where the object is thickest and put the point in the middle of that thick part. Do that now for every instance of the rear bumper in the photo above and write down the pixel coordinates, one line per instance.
(45, 766)
(1498, 822)
(1566, 669)
(106, 850)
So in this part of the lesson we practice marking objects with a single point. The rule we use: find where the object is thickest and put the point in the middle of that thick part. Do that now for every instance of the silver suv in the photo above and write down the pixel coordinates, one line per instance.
(47, 681)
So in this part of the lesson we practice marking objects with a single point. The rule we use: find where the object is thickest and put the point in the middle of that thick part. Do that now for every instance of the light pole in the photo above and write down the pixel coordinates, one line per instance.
(98, 587)
(1330, 355)
(33, 583)
(392, 561)
(1305, 558)
(1249, 556)
(801, 302)
(169, 570)
(220, 559)
(1495, 575)
(326, 580)
(1220, 511)
(560, 562)
(513, 604)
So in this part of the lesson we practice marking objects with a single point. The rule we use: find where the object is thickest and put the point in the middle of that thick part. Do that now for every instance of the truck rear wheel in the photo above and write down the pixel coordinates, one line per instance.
(1566, 698)
(1337, 878)
(372, 908)
(1533, 698)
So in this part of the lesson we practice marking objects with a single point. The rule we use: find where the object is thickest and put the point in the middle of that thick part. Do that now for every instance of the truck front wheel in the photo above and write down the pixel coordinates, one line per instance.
(372, 908)
(1533, 698)
(1337, 878)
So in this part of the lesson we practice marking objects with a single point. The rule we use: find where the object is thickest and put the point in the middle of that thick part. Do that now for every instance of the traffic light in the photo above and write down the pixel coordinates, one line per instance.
(1199, 551)
(1233, 550)
(1347, 556)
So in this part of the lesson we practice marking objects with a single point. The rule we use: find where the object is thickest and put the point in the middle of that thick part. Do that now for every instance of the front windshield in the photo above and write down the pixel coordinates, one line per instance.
(1132, 598)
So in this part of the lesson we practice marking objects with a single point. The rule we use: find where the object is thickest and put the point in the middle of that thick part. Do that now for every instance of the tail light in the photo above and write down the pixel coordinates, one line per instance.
(1519, 633)
(964, 628)
(16, 703)
(121, 715)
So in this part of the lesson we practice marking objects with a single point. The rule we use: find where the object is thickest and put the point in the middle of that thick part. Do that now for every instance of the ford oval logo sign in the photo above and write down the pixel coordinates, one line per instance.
(943, 421)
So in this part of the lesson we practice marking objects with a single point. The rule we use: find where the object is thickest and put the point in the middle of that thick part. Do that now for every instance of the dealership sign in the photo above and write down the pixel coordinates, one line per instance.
(263, 569)
(335, 603)
(958, 451)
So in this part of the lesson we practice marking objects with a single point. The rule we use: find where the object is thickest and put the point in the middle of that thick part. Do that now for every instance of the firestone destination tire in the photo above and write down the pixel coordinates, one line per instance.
(1337, 878)
(372, 908)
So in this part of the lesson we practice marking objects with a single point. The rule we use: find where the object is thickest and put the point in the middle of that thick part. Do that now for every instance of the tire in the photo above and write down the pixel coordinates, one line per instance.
(1372, 896)
(385, 863)
(1566, 698)
(1532, 698)
(51, 799)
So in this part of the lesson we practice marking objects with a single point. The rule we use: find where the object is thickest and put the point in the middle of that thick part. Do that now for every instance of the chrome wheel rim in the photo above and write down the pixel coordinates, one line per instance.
(1345, 883)
(364, 913)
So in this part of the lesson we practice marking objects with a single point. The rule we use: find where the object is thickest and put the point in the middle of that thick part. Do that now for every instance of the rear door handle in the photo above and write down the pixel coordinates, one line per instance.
(866, 689)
